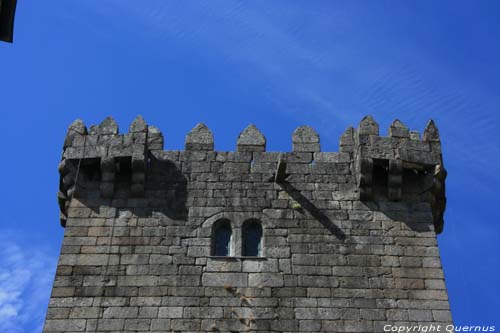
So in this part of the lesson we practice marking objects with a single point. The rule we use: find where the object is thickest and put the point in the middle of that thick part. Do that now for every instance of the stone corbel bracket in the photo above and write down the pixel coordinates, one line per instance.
(401, 149)
(104, 144)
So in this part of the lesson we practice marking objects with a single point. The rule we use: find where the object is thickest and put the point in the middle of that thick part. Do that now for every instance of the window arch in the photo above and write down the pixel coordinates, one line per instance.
(252, 239)
(221, 238)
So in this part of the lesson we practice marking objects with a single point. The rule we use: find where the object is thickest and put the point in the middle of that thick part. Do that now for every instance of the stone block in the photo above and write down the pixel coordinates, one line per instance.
(64, 325)
(372, 314)
(148, 312)
(309, 326)
(420, 315)
(435, 284)
(120, 312)
(397, 314)
(222, 265)
(160, 325)
(442, 315)
(185, 325)
(170, 312)
(137, 325)
(260, 266)
(261, 280)
(203, 312)
(110, 324)
(226, 279)
(318, 281)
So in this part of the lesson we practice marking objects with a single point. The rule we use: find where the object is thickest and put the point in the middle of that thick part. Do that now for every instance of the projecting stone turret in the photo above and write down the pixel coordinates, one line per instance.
(201, 240)
(398, 153)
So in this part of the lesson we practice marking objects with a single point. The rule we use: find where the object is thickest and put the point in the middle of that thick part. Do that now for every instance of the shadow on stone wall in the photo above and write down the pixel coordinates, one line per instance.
(166, 189)
(414, 208)
(313, 210)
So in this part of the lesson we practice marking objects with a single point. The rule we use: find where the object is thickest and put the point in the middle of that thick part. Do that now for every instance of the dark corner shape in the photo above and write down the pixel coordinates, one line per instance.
(7, 13)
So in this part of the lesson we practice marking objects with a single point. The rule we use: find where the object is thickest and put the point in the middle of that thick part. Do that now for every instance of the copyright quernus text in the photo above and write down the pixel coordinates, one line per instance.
(438, 328)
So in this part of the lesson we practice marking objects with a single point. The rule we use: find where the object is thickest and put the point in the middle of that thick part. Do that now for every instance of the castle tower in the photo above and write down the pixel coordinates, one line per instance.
(205, 241)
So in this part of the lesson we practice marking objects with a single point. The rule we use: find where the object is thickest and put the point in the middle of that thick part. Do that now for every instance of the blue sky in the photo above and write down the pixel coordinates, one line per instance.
(278, 64)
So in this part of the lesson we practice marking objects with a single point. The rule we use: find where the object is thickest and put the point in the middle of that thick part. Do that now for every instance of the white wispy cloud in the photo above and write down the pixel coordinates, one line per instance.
(26, 275)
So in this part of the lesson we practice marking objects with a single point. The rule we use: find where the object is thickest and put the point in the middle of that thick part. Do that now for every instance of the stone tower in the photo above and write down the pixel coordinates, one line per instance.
(206, 241)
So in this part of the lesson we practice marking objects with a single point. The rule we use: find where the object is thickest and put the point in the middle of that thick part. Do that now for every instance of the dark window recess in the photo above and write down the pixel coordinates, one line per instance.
(123, 169)
(252, 239)
(221, 241)
(90, 170)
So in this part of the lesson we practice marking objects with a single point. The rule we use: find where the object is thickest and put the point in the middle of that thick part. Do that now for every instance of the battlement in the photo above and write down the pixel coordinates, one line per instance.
(380, 165)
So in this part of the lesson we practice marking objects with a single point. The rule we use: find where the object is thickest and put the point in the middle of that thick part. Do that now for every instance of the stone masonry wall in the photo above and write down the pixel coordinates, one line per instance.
(349, 237)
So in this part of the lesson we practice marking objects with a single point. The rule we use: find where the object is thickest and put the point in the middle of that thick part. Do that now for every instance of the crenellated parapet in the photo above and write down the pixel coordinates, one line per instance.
(381, 168)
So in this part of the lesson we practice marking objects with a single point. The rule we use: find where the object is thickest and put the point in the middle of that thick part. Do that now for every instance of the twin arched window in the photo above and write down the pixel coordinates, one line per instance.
(251, 245)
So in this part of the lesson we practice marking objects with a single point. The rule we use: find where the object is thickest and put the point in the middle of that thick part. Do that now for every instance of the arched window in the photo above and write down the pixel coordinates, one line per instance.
(221, 238)
(252, 239)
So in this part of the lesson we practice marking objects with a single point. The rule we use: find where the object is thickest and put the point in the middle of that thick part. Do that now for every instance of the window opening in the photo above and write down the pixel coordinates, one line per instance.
(221, 241)
(252, 239)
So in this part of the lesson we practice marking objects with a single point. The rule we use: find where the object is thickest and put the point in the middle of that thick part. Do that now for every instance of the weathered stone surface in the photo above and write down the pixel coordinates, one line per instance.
(155, 139)
(261, 280)
(108, 126)
(138, 125)
(57, 325)
(368, 126)
(200, 138)
(348, 243)
(399, 130)
(78, 127)
(347, 140)
(226, 279)
(251, 139)
(76, 130)
(305, 139)
(431, 132)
